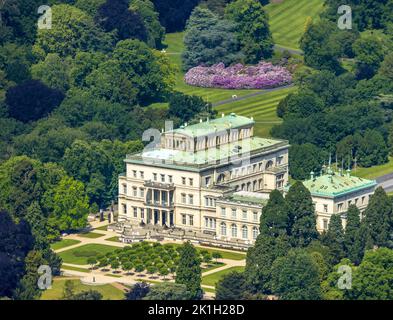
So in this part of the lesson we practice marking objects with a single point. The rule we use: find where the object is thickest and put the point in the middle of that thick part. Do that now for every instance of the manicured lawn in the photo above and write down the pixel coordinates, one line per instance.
(213, 266)
(262, 108)
(225, 254)
(108, 291)
(113, 239)
(63, 244)
(212, 279)
(75, 269)
(374, 172)
(113, 275)
(103, 228)
(81, 254)
(174, 50)
(91, 235)
(287, 20)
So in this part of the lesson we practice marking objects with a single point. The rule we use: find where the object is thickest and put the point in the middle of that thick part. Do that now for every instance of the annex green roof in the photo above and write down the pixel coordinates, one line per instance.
(185, 159)
(336, 184)
(231, 121)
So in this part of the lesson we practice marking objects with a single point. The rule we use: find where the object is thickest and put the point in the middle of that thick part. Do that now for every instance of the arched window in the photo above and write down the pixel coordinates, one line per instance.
(254, 233)
(234, 230)
(244, 232)
(269, 164)
(223, 229)
(221, 178)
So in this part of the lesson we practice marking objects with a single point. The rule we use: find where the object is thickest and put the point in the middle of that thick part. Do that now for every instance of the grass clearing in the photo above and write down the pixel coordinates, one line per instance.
(288, 18)
(212, 279)
(108, 291)
(81, 254)
(63, 244)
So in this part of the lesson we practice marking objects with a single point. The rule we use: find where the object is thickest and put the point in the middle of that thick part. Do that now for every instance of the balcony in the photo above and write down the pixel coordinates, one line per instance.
(159, 204)
(159, 185)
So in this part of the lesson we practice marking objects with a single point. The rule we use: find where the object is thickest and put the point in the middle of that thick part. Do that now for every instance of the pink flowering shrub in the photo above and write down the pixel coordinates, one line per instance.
(261, 76)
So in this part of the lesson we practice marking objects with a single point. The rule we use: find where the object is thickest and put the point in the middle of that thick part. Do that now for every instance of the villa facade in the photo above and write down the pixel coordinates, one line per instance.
(197, 171)
(212, 180)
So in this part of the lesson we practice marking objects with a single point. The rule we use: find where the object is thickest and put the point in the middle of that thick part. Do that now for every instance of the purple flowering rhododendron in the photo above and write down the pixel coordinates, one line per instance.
(264, 75)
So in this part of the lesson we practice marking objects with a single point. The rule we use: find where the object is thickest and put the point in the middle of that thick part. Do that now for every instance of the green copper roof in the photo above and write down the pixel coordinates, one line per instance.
(203, 158)
(247, 198)
(336, 184)
(231, 121)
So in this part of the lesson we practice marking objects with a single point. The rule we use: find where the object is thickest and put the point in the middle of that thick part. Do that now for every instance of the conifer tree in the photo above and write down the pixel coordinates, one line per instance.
(302, 221)
(352, 240)
(189, 271)
(274, 219)
(334, 239)
(231, 287)
(378, 217)
(259, 261)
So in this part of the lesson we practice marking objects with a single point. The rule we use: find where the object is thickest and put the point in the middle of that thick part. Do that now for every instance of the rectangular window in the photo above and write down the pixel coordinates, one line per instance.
(184, 219)
(206, 201)
(142, 174)
(255, 216)
(207, 181)
(162, 177)
(325, 224)
(155, 176)
(135, 210)
(142, 192)
(124, 208)
(134, 173)
(191, 220)
(325, 208)
(134, 191)
(233, 213)
(223, 212)
(183, 180)
(183, 198)
(190, 199)
(340, 207)
(244, 215)
(191, 181)
(124, 188)
(170, 178)
(142, 213)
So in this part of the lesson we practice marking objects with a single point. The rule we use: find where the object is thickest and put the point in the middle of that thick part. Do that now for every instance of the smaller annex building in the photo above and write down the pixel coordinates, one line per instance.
(333, 192)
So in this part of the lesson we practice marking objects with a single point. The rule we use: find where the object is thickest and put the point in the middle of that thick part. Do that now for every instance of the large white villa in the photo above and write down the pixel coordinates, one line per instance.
(210, 181)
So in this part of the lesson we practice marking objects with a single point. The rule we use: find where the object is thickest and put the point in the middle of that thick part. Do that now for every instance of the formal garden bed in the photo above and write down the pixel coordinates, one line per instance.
(261, 76)
(141, 259)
